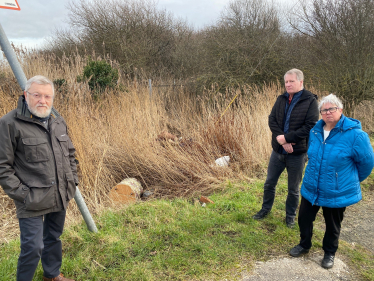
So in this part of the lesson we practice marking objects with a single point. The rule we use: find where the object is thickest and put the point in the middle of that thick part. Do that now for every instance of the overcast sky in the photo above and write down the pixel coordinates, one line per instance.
(36, 20)
(39, 18)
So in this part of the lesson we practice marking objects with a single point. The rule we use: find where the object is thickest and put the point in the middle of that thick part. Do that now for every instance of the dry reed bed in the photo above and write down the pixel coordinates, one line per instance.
(117, 136)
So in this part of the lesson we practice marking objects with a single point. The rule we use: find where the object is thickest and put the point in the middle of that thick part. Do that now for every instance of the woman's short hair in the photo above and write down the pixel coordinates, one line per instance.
(41, 80)
(331, 98)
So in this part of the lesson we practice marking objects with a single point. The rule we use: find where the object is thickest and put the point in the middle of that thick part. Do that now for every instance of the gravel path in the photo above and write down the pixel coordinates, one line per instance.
(306, 268)
(358, 224)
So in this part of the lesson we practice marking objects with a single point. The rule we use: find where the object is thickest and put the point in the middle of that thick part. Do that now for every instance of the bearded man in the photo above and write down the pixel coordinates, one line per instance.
(38, 171)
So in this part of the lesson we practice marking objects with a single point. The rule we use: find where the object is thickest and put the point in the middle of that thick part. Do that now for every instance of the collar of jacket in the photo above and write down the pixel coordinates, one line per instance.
(345, 123)
(299, 93)
(24, 113)
(304, 95)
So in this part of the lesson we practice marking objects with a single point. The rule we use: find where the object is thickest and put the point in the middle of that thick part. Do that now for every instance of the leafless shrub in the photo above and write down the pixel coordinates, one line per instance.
(341, 42)
(134, 33)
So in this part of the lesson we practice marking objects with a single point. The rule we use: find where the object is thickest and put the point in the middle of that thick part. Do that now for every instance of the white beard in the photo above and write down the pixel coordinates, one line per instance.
(35, 111)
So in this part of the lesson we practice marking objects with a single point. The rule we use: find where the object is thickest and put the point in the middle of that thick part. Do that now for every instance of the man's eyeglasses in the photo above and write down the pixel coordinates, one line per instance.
(38, 96)
(331, 110)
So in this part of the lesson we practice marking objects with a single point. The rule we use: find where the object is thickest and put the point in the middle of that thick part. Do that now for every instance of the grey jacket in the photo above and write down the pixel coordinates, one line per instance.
(37, 166)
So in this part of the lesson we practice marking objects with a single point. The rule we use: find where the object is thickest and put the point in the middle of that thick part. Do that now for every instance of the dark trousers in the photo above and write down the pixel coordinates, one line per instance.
(40, 240)
(295, 166)
(333, 219)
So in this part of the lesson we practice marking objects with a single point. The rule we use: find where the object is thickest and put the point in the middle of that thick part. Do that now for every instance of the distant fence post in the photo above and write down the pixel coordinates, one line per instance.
(150, 89)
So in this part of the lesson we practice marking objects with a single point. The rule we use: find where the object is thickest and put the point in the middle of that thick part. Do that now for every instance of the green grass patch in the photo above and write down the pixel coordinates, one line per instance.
(181, 240)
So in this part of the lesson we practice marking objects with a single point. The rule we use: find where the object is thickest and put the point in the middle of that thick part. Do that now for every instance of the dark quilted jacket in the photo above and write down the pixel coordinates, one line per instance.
(303, 117)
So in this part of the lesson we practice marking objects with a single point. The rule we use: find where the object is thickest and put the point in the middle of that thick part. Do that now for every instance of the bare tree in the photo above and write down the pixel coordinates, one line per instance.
(242, 47)
(135, 33)
(341, 46)
(247, 44)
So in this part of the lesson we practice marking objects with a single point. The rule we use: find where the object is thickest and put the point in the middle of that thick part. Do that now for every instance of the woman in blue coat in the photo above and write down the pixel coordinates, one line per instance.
(340, 157)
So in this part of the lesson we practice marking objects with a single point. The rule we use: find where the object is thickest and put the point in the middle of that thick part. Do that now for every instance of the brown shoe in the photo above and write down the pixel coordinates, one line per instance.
(57, 278)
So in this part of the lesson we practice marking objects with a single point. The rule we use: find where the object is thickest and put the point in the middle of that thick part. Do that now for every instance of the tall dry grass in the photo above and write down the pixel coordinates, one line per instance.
(117, 136)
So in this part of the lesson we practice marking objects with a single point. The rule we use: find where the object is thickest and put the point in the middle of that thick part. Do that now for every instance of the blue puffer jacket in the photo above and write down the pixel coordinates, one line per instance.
(338, 165)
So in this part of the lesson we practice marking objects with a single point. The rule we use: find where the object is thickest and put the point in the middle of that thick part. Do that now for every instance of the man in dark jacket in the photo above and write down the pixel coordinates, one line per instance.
(38, 171)
(293, 115)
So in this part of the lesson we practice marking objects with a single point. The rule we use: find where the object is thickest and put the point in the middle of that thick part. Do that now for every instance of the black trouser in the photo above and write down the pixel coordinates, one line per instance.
(40, 239)
(277, 164)
(333, 219)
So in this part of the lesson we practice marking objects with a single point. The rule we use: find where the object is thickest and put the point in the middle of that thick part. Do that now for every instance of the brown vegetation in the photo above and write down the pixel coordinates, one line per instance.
(117, 136)
(169, 143)
(252, 42)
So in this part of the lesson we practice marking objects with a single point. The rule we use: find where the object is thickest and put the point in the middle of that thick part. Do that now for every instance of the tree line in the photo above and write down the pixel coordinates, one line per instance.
(252, 42)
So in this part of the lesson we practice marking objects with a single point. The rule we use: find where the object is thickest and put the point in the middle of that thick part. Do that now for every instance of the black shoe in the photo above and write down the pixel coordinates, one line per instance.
(290, 222)
(261, 214)
(297, 251)
(328, 260)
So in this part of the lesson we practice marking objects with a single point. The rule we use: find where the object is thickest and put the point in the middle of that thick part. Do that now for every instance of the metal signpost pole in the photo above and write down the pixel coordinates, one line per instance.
(12, 59)
(84, 211)
(21, 78)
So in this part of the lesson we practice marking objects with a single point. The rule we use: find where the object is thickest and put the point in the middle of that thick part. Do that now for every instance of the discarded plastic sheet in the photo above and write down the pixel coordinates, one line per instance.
(223, 161)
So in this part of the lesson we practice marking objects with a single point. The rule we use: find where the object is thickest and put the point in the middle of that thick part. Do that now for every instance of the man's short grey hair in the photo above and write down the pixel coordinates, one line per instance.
(298, 72)
(331, 98)
(41, 80)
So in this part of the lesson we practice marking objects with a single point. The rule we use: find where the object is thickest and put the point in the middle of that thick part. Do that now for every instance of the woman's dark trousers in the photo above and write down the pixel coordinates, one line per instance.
(333, 219)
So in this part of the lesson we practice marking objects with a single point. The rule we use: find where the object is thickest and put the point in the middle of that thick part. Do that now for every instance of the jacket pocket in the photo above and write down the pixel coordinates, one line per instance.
(40, 198)
(36, 149)
(70, 187)
(21, 193)
(63, 140)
